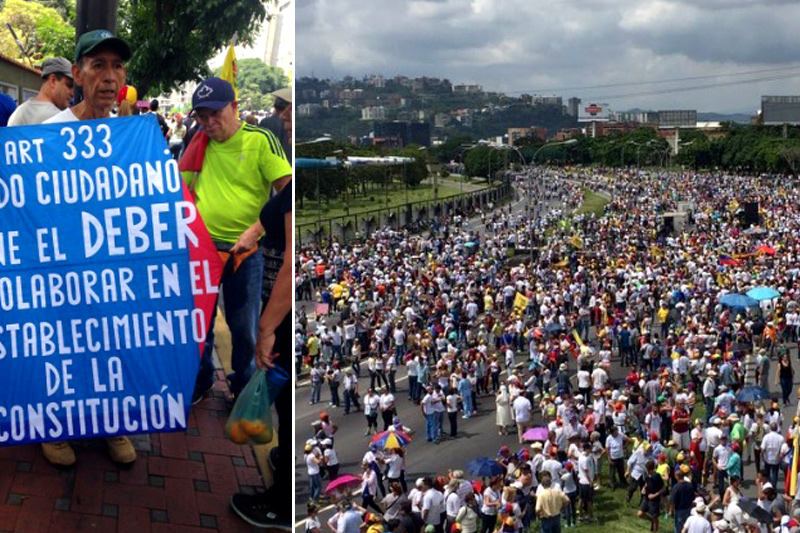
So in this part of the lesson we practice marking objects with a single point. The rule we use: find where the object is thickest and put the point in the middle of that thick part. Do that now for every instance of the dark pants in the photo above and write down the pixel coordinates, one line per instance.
(635, 486)
(453, 417)
(551, 525)
(241, 292)
(772, 473)
(681, 515)
(388, 416)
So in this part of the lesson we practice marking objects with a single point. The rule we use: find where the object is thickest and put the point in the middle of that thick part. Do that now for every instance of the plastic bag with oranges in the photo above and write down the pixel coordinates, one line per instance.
(250, 421)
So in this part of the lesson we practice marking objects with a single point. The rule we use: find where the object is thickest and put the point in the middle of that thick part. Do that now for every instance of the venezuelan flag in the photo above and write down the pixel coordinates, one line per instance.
(725, 259)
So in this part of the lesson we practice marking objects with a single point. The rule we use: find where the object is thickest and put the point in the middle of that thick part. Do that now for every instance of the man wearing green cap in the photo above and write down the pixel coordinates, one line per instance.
(99, 70)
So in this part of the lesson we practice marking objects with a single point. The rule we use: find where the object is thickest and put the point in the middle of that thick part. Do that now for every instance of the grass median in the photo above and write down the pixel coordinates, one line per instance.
(377, 200)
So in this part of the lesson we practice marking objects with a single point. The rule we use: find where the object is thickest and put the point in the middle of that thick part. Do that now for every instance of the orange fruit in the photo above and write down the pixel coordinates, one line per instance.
(263, 438)
(252, 428)
(238, 434)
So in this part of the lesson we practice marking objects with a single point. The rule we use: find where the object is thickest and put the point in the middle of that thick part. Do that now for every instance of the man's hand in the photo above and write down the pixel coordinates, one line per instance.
(264, 346)
(246, 241)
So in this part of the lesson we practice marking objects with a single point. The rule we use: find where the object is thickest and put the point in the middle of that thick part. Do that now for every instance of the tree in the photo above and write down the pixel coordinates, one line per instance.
(255, 80)
(41, 31)
(172, 40)
(791, 154)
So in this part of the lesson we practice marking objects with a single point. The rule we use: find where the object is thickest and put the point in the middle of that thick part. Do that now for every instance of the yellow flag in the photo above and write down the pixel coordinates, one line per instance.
(229, 69)
(577, 338)
(520, 302)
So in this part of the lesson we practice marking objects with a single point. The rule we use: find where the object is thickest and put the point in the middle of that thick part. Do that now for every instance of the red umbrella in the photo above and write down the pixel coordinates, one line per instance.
(344, 482)
(766, 250)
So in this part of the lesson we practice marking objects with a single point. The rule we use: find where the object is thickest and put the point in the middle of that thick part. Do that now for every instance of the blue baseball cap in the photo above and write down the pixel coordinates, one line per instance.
(213, 93)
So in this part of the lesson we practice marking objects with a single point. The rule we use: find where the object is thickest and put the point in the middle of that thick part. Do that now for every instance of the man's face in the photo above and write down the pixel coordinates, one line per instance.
(61, 90)
(220, 124)
(286, 117)
(100, 76)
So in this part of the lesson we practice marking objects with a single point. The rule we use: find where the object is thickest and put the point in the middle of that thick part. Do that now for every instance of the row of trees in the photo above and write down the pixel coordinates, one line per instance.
(346, 184)
(171, 40)
(751, 148)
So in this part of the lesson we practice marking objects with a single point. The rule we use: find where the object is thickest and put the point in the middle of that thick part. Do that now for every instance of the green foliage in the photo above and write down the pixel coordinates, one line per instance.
(172, 40)
(255, 80)
(41, 30)
(58, 39)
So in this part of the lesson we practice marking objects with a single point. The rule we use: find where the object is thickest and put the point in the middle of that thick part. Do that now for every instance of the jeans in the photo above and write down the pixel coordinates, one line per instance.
(467, 405)
(681, 515)
(551, 525)
(772, 473)
(316, 389)
(241, 292)
(431, 427)
(315, 487)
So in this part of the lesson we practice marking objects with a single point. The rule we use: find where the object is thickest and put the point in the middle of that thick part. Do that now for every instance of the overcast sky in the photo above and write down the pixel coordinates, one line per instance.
(536, 46)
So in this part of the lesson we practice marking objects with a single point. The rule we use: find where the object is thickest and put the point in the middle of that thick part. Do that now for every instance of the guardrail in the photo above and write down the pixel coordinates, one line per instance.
(347, 227)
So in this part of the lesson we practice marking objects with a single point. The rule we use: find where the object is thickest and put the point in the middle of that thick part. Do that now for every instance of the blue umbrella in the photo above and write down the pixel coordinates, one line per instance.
(763, 293)
(553, 327)
(485, 467)
(738, 300)
(752, 394)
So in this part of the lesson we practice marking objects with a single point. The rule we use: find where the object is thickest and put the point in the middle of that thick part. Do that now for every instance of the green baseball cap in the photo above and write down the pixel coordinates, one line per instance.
(92, 39)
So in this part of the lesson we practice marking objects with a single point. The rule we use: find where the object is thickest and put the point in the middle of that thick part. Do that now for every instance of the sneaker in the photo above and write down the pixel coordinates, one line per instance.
(59, 453)
(121, 450)
(274, 459)
(255, 510)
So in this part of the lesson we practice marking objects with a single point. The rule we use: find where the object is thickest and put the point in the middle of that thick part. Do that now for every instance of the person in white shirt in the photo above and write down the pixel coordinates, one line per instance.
(587, 472)
(615, 446)
(330, 459)
(387, 408)
(432, 505)
(521, 407)
(54, 94)
(697, 523)
(771, 449)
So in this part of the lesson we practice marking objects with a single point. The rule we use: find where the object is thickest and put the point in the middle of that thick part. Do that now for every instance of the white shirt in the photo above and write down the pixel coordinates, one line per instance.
(64, 116)
(771, 447)
(615, 446)
(433, 503)
(33, 112)
(587, 469)
(522, 409)
(697, 524)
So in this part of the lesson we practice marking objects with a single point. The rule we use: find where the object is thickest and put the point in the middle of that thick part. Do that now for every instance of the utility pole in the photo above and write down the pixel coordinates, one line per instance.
(94, 15)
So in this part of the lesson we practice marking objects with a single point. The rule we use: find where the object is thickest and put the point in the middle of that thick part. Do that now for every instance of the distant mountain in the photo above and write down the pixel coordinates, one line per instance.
(741, 118)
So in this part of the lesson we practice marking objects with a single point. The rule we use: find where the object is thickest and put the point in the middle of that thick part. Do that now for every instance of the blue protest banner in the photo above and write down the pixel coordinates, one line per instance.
(108, 278)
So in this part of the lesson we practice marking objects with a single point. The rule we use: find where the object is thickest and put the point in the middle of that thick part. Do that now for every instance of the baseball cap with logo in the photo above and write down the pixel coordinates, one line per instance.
(213, 93)
(92, 39)
(57, 65)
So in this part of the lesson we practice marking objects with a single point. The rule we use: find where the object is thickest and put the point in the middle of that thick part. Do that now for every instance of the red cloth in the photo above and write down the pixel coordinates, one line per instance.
(192, 160)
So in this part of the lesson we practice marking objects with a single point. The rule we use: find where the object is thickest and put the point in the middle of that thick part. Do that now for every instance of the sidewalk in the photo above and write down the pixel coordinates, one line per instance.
(181, 482)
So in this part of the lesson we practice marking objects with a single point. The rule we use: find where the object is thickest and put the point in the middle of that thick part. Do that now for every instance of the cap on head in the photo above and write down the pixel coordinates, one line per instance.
(90, 40)
(57, 65)
(284, 93)
(213, 93)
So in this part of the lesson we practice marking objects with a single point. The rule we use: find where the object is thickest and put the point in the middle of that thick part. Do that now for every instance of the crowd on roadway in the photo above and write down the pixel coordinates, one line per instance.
(615, 340)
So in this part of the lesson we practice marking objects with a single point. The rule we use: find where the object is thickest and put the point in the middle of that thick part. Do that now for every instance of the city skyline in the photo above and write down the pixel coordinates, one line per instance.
(570, 49)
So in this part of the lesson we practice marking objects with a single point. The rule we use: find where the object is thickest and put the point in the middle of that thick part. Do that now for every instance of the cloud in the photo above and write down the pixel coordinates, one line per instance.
(524, 46)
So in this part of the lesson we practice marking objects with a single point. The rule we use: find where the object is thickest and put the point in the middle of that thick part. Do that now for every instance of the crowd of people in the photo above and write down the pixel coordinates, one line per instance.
(614, 339)
(240, 179)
